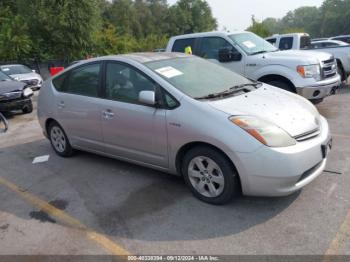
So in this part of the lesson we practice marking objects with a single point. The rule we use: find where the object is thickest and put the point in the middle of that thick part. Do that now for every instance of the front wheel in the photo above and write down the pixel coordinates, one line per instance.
(59, 140)
(210, 175)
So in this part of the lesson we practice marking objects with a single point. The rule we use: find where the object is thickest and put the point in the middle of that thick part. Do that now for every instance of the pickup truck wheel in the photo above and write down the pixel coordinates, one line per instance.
(210, 175)
(282, 85)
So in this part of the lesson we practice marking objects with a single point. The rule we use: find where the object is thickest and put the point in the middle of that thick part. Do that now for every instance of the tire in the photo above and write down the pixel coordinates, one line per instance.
(27, 109)
(215, 187)
(282, 85)
(59, 140)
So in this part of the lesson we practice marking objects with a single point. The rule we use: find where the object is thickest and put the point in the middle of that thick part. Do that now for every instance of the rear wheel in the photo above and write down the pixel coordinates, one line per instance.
(210, 175)
(282, 85)
(59, 140)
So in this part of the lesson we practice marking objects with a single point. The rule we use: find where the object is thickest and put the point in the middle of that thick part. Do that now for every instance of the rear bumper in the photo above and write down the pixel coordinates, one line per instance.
(19, 104)
(321, 89)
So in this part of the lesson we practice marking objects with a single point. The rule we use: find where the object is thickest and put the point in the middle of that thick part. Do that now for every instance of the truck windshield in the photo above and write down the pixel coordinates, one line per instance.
(252, 44)
(197, 77)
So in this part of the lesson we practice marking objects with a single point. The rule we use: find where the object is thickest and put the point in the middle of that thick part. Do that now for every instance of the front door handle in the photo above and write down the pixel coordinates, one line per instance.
(107, 114)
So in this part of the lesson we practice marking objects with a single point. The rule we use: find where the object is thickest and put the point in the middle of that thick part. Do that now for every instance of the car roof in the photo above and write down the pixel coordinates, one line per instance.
(11, 65)
(138, 57)
(329, 41)
(287, 35)
(204, 34)
(340, 36)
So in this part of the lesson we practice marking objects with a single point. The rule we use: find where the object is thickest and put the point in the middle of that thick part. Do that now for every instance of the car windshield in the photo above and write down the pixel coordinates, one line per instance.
(252, 44)
(197, 77)
(15, 69)
(4, 77)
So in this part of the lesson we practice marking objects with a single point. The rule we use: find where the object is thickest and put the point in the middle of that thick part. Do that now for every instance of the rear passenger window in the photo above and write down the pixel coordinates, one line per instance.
(59, 81)
(286, 43)
(84, 80)
(180, 44)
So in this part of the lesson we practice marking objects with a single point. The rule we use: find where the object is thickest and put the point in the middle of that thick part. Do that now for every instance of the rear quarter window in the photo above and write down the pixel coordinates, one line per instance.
(180, 44)
(58, 82)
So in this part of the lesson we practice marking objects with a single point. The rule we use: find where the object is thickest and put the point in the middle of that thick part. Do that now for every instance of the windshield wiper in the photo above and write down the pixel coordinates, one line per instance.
(231, 91)
(254, 84)
(259, 52)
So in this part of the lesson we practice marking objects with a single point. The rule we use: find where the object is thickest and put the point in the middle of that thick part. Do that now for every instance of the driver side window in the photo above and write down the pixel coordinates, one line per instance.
(124, 83)
(210, 46)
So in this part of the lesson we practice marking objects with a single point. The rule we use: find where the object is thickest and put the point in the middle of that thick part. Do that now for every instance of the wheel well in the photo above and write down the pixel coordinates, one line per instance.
(47, 124)
(184, 149)
(270, 78)
(340, 64)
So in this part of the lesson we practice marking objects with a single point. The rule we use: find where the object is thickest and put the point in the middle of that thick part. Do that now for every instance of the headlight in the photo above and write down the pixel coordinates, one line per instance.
(265, 132)
(27, 92)
(310, 71)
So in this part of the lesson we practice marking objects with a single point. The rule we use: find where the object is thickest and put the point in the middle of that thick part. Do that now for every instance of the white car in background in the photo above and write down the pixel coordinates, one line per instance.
(24, 74)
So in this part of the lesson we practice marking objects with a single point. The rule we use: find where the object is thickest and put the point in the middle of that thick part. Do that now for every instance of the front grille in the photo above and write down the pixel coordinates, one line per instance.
(31, 82)
(307, 135)
(329, 68)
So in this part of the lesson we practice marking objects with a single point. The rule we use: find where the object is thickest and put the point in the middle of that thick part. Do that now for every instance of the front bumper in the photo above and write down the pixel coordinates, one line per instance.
(282, 171)
(18, 104)
(321, 89)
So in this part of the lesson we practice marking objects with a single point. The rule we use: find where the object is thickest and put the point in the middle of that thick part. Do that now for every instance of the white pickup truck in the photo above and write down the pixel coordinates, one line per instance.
(310, 74)
(302, 41)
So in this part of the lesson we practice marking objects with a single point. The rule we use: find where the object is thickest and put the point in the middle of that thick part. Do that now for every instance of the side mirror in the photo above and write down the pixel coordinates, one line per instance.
(3, 124)
(229, 55)
(34, 71)
(147, 98)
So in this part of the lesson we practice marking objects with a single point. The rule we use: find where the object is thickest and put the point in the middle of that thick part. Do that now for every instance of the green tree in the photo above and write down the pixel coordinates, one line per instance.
(335, 17)
(258, 28)
(189, 16)
(15, 41)
(61, 28)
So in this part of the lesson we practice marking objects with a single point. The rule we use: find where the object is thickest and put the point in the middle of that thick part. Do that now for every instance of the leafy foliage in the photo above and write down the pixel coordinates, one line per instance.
(74, 29)
(258, 28)
(331, 19)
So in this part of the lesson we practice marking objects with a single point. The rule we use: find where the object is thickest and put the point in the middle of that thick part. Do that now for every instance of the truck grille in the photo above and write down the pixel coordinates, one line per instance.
(329, 68)
(307, 135)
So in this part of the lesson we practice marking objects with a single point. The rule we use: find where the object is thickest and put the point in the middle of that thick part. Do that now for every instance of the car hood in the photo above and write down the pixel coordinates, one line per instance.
(290, 112)
(299, 56)
(10, 86)
(28, 76)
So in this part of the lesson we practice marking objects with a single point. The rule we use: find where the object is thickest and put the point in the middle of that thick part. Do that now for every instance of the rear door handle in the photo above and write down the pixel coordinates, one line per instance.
(61, 105)
(107, 114)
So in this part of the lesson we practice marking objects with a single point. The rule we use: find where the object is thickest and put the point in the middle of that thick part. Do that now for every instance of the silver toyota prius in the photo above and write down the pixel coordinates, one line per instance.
(184, 115)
